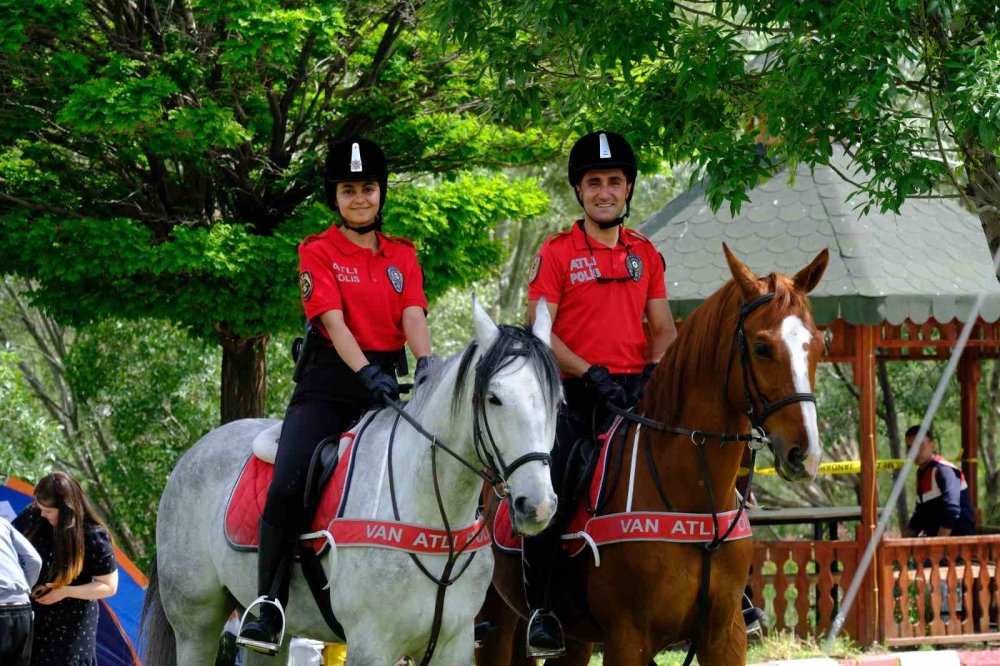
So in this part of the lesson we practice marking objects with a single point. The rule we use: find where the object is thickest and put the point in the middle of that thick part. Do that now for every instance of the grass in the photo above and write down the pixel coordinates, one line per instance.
(776, 645)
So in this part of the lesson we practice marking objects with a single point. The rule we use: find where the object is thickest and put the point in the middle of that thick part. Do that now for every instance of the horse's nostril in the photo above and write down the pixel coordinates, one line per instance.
(521, 506)
(795, 456)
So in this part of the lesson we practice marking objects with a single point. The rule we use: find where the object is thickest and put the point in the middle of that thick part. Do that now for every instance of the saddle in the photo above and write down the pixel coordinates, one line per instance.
(327, 489)
(589, 528)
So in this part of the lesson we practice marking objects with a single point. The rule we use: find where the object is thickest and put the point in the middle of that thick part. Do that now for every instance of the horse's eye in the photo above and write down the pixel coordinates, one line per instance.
(495, 400)
(762, 350)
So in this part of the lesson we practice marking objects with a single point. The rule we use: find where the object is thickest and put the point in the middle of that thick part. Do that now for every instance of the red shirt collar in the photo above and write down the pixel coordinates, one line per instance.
(581, 242)
(345, 246)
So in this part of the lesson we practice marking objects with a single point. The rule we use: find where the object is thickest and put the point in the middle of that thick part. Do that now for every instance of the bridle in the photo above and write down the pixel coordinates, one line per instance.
(496, 473)
(751, 388)
(758, 409)
(752, 394)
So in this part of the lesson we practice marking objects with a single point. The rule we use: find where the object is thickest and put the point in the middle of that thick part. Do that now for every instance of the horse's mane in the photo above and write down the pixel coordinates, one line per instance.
(512, 343)
(705, 341)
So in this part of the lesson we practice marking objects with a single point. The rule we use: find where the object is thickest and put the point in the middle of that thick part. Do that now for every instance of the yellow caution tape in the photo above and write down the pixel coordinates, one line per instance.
(841, 467)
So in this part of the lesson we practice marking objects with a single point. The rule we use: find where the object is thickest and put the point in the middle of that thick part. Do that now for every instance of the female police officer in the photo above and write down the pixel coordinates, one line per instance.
(363, 292)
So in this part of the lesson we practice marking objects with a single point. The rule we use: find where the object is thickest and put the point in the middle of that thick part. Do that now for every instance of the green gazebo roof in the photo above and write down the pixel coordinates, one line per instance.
(930, 260)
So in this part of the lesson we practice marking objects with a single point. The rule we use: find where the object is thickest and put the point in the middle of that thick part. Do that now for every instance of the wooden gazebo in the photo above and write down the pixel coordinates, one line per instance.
(897, 287)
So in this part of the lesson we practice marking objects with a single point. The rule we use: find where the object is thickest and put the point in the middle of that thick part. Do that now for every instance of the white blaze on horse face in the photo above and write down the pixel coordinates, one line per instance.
(798, 338)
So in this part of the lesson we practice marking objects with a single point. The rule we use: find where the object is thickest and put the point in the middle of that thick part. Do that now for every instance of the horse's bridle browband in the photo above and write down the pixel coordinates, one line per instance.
(497, 470)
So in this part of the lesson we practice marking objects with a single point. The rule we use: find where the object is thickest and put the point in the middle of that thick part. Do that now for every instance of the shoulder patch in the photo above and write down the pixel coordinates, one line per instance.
(306, 285)
(536, 263)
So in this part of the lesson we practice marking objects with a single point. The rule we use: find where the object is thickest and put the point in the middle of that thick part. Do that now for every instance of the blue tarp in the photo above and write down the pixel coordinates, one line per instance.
(118, 627)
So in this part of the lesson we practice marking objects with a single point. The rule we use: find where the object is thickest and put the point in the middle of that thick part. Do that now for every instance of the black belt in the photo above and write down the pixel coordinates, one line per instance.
(15, 605)
(328, 357)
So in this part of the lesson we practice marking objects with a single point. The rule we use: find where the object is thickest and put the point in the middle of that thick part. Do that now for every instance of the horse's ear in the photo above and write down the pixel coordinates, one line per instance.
(807, 279)
(486, 330)
(542, 327)
(745, 279)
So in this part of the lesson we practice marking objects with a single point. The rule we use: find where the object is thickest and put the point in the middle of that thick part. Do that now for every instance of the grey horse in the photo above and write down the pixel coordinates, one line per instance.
(385, 604)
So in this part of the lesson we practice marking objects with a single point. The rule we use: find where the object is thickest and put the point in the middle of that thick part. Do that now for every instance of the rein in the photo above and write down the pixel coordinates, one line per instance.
(496, 475)
(755, 439)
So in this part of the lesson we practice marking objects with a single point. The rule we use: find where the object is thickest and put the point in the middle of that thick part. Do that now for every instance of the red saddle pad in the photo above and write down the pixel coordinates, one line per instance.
(503, 530)
(246, 502)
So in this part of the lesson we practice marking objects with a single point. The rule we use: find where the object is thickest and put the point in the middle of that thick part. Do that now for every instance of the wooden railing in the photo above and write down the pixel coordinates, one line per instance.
(800, 584)
(939, 590)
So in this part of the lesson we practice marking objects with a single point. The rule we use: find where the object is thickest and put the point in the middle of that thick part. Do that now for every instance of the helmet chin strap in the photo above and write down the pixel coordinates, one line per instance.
(618, 220)
(375, 225)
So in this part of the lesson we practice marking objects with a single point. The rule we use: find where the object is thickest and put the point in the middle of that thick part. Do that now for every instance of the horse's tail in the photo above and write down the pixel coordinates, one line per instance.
(159, 647)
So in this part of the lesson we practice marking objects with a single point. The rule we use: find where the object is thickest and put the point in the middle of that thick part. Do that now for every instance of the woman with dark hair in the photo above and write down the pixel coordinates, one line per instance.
(363, 295)
(78, 567)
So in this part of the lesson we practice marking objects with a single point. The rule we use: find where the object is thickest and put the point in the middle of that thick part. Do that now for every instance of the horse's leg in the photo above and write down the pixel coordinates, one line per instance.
(724, 643)
(577, 654)
(195, 603)
(628, 646)
(199, 627)
(454, 650)
(498, 646)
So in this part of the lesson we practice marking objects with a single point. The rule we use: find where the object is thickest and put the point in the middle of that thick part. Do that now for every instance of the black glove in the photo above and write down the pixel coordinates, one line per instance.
(640, 387)
(598, 379)
(424, 366)
(382, 386)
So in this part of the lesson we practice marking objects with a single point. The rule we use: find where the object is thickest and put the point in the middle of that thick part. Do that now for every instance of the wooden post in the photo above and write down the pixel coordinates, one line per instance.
(968, 375)
(869, 628)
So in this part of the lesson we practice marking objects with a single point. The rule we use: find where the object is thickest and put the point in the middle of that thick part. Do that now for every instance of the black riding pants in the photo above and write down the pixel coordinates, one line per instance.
(15, 635)
(327, 399)
(583, 416)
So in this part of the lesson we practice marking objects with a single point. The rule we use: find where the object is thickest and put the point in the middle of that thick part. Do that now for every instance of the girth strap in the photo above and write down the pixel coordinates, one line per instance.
(312, 570)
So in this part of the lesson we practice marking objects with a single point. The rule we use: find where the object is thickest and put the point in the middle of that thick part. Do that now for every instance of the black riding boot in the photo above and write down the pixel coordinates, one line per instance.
(752, 616)
(275, 556)
(545, 634)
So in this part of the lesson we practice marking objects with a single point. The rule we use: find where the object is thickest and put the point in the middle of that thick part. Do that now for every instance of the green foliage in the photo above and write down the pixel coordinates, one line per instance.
(27, 437)
(909, 87)
(173, 161)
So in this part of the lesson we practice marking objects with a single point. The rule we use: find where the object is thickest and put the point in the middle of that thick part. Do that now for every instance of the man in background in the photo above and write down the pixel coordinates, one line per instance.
(943, 504)
(20, 565)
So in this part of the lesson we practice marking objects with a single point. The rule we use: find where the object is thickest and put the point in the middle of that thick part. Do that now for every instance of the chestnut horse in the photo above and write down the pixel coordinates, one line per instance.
(745, 360)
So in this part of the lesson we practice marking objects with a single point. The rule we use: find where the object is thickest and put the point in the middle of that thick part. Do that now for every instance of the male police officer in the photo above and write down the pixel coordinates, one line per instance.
(598, 278)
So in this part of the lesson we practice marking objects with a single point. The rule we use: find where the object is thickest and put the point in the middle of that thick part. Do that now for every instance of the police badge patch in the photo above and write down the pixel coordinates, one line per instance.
(396, 278)
(306, 285)
(634, 266)
(536, 263)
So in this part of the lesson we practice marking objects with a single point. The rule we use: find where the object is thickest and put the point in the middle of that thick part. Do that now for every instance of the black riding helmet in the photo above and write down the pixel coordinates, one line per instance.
(356, 159)
(603, 150)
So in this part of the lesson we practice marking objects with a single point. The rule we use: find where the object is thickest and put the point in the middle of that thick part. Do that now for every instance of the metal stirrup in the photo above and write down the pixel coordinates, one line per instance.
(261, 645)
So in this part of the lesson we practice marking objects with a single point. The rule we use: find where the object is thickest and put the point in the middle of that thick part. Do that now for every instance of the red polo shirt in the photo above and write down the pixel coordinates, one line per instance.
(599, 320)
(371, 288)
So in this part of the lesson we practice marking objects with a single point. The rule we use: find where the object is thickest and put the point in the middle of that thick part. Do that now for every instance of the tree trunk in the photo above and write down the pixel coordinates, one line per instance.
(988, 446)
(891, 418)
(244, 373)
(984, 189)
